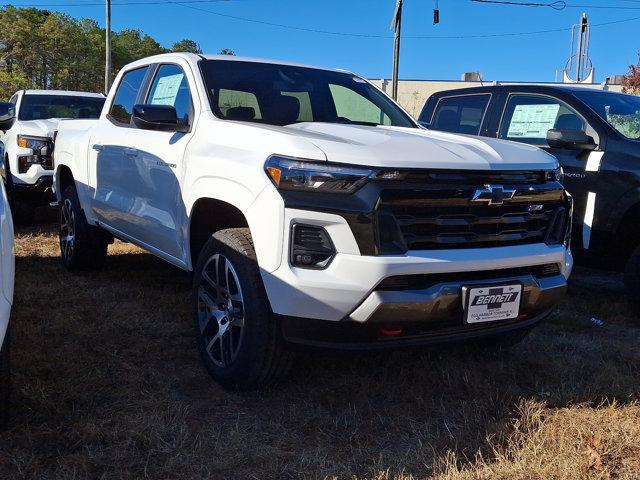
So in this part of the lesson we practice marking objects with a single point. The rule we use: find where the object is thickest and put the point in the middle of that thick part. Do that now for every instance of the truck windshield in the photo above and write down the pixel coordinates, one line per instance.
(283, 95)
(41, 107)
(620, 111)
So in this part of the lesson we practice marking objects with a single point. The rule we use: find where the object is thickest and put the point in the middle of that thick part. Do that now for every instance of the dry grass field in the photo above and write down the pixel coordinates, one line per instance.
(108, 385)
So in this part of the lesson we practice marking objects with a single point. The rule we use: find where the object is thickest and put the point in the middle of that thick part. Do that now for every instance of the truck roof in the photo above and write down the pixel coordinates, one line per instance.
(526, 87)
(62, 92)
(193, 57)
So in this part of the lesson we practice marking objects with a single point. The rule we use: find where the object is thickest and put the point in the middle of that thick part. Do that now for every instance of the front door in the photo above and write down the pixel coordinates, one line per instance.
(527, 118)
(157, 158)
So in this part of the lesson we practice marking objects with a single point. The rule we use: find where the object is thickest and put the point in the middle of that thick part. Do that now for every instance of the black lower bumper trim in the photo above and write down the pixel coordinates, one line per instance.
(41, 190)
(353, 336)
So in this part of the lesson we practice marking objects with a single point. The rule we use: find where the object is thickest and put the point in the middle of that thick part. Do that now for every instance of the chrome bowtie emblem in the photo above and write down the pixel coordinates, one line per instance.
(492, 195)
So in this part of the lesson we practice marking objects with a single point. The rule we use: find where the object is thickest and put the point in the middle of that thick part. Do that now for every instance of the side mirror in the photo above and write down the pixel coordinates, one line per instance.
(424, 124)
(570, 140)
(157, 117)
(7, 115)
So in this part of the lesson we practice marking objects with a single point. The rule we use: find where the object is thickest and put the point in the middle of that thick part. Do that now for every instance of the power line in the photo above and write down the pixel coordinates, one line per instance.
(558, 5)
(190, 4)
(416, 37)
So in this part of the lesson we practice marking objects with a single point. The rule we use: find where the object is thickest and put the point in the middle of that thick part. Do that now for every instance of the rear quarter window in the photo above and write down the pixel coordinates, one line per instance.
(460, 114)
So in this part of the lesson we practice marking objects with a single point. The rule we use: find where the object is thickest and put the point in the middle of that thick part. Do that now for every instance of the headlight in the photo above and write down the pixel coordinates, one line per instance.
(292, 174)
(34, 143)
(556, 175)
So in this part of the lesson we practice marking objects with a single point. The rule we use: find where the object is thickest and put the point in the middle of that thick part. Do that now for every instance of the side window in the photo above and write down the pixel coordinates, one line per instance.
(528, 118)
(238, 105)
(170, 87)
(14, 101)
(126, 95)
(354, 107)
(461, 114)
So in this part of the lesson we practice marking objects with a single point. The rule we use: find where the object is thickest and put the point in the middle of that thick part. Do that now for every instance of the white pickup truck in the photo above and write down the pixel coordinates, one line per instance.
(27, 123)
(312, 210)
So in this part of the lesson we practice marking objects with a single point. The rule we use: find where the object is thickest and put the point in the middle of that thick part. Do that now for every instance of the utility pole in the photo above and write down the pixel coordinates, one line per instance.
(396, 24)
(107, 58)
(583, 46)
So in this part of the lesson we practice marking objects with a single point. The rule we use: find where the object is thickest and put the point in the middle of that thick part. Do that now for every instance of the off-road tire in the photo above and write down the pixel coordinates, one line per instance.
(262, 358)
(89, 244)
(5, 381)
(632, 280)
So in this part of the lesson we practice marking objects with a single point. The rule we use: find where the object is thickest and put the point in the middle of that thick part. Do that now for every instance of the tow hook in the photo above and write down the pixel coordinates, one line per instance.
(391, 331)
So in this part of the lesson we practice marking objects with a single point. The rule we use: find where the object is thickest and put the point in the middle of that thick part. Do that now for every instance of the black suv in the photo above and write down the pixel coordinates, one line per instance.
(594, 134)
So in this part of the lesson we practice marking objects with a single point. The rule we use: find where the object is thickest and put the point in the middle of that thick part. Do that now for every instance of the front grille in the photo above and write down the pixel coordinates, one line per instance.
(470, 177)
(448, 219)
(25, 162)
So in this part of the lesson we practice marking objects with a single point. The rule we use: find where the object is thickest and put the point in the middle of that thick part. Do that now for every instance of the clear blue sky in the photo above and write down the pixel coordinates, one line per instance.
(527, 57)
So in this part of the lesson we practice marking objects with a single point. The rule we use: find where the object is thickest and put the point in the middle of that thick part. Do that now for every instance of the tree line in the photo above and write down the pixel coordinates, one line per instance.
(49, 50)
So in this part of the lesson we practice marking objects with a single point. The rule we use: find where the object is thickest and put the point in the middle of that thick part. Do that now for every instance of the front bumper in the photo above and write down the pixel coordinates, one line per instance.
(40, 191)
(431, 315)
(346, 289)
(442, 301)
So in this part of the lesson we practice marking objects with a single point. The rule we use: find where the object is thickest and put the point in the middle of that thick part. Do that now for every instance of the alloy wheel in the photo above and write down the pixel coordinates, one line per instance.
(67, 229)
(221, 310)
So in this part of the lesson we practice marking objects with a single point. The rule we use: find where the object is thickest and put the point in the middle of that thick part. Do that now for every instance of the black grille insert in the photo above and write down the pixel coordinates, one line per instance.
(447, 218)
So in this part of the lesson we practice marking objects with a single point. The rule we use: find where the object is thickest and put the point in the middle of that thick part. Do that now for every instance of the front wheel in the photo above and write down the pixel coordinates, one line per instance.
(237, 334)
(81, 245)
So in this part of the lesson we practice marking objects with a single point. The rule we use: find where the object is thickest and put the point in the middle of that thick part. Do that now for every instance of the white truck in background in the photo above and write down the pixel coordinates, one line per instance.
(27, 124)
(313, 211)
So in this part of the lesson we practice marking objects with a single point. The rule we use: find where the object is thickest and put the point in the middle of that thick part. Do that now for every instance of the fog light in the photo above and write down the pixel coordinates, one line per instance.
(311, 247)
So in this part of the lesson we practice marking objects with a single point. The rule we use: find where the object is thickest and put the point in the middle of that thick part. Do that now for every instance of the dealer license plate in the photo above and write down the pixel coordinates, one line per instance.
(492, 303)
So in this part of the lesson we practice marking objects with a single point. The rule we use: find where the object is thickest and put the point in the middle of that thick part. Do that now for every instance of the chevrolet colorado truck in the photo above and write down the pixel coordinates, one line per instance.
(27, 123)
(312, 210)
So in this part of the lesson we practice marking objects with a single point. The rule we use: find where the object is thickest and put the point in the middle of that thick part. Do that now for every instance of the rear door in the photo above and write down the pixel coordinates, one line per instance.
(113, 172)
(527, 117)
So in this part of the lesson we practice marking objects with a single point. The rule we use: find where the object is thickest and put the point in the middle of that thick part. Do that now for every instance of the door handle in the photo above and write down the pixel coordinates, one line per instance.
(131, 152)
(97, 147)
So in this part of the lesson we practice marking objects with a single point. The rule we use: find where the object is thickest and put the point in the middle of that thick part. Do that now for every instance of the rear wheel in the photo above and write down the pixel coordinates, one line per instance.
(5, 382)
(238, 336)
(82, 246)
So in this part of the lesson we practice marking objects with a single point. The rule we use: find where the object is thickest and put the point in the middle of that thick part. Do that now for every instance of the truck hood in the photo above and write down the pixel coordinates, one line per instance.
(39, 128)
(418, 148)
